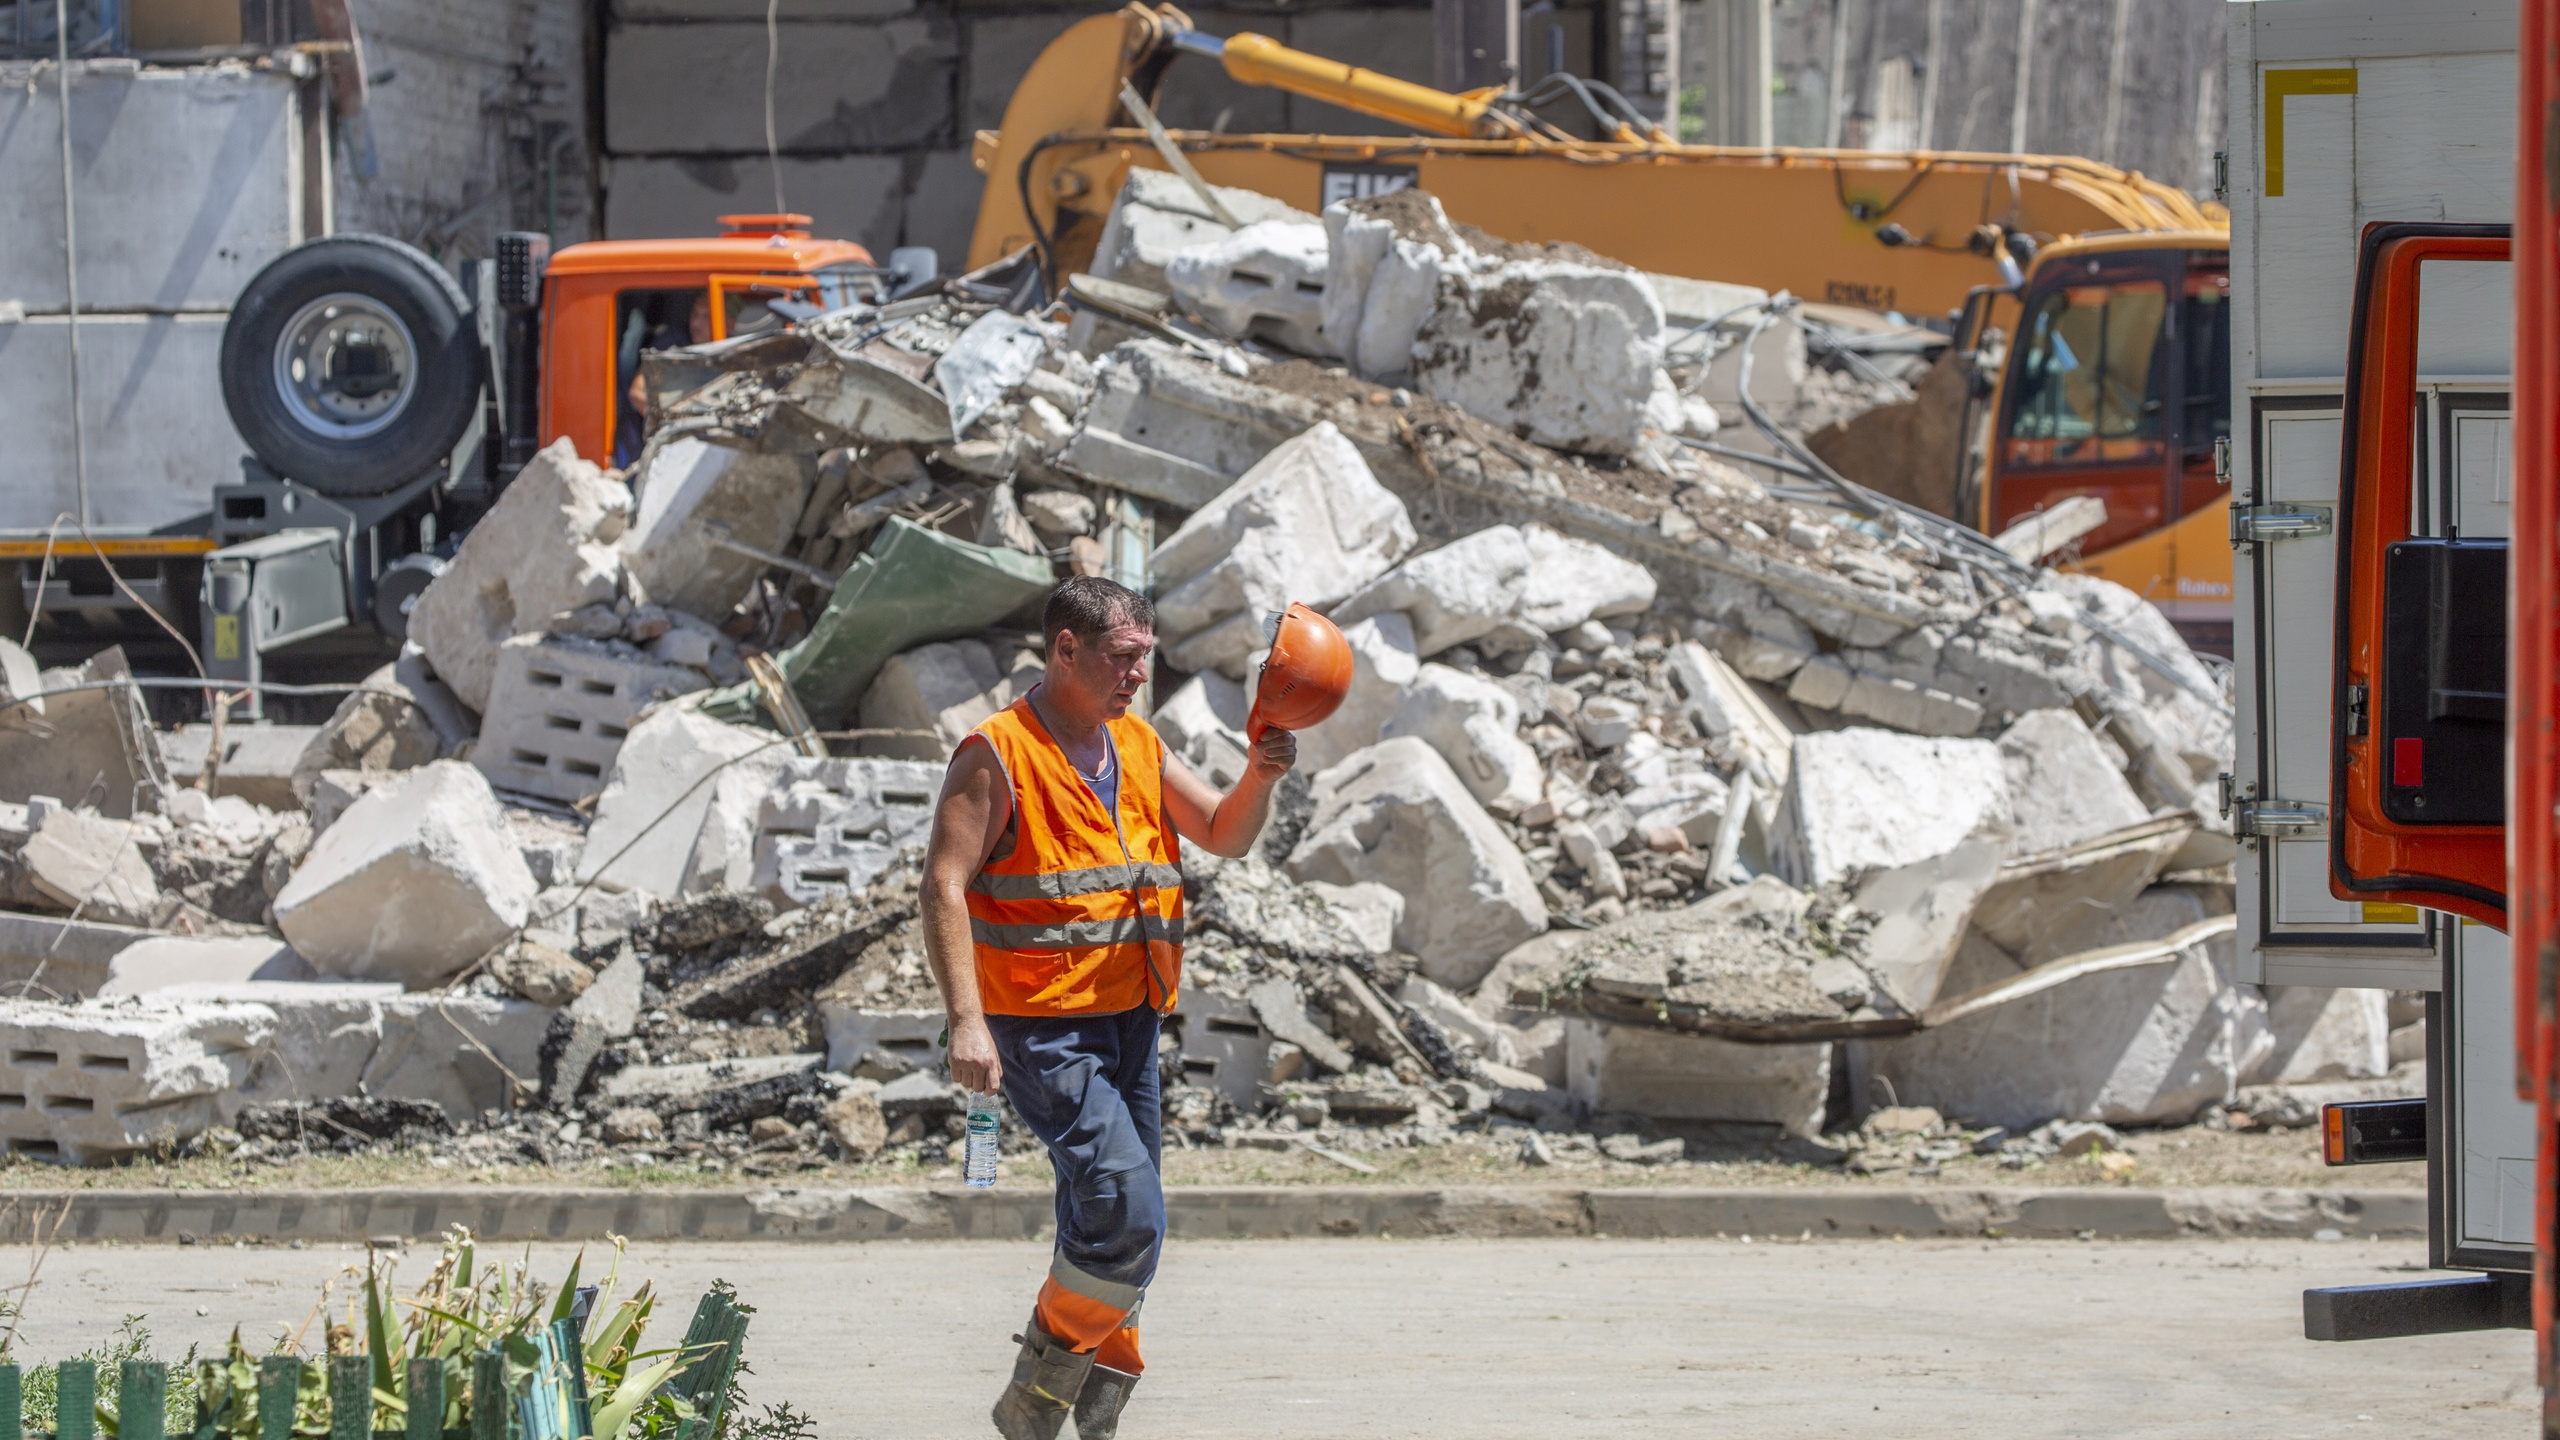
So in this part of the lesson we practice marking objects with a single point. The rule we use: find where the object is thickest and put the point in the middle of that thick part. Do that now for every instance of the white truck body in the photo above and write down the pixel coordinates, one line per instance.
(2345, 113)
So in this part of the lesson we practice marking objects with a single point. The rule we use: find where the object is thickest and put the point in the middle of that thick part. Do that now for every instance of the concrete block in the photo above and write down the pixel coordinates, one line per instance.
(162, 961)
(1308, 523)
(1475, 725)
(1453, 594)
(1561, 353)
(1395, 813)
(257, 760)
(861, 198)
(560, 709)
(1863, 800)
(91, 749)
(1164, 426)
(1264, 282)
(652, 809)
(1570, 581)
(375, 730)
(693, 492)
(839, 87)
(92, 867)
(948, 688)
(2150, 1045)
(413, 883)
(828, 828)
(89, 1084)
(2063, 786)
(1157, 215)
(906, 1040)
(607, 1011)
(1383, 663)
(1913, 709)
(1821, 682)
(1658, 1075)
(1203, 722)
(545, 547)
(465, 1053)
(1224, 1045)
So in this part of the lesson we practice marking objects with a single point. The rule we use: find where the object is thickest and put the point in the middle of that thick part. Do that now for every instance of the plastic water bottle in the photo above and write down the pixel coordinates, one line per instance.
(980, 1167)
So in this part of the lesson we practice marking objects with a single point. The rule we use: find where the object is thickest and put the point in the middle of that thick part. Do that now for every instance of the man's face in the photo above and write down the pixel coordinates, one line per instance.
(1107, 670)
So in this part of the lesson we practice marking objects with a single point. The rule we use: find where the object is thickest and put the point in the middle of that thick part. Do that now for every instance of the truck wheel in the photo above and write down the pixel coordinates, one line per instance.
(351, 365)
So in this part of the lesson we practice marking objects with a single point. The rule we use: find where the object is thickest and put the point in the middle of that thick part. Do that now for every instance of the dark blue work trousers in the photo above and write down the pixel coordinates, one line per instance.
(1087, 1086)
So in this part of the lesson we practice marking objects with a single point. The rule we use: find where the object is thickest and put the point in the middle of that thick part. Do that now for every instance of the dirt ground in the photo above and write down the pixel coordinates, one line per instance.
(2191, 1156)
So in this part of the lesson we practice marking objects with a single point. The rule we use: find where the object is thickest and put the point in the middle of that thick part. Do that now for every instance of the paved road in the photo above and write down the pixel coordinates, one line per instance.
(1532, 1339)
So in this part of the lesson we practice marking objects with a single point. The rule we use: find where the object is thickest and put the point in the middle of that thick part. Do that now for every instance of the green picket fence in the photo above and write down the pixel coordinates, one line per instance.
(716, 1337)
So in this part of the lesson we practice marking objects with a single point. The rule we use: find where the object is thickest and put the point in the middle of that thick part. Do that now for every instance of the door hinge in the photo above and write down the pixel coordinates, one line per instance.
(2356, 704)
(2283, 818)
(2222, 176)
(2277, 520)
(2222, 460)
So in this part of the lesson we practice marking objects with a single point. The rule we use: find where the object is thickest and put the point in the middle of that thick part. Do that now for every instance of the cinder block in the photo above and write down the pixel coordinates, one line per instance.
(558, 713)
(837, 87)
(829, 827)
(87, 1084)
(850, 197)
(904, 1037)
(1224, 1045)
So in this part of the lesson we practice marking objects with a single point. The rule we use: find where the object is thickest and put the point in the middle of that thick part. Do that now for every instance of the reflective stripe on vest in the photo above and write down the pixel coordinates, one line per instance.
(1084, 913)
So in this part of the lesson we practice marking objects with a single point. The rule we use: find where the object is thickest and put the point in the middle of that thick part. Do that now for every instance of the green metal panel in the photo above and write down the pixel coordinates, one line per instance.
(573, 1360)
(279, 1384)
(426, 1400)
(350, 1397)
(12, 1402)
(142, 1401)
(490, 1406)
(75, 1404)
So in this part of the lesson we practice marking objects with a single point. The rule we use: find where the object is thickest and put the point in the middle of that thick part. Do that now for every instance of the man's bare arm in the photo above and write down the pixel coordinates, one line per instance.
(1228, 824)
(967, 822)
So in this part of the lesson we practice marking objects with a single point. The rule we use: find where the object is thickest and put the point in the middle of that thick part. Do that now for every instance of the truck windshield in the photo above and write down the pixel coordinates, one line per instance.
(2089, 391)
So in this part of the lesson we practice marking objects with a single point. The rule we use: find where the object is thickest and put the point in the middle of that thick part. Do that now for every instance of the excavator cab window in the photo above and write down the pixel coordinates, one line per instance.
(2204, 342)
(2092, 375)
(647, 320)
(2418, 749)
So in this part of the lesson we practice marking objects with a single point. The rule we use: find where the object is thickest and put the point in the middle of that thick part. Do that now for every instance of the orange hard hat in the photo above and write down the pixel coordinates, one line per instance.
(1305, 677)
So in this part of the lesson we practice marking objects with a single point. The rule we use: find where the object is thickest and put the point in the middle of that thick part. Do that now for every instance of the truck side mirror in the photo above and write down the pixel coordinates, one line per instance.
(2418, 749)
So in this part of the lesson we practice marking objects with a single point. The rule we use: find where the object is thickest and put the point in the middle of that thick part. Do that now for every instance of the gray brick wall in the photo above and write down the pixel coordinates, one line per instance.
(876, 102)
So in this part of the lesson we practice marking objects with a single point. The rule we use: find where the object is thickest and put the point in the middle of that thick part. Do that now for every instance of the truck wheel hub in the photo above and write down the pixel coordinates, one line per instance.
(346, 366)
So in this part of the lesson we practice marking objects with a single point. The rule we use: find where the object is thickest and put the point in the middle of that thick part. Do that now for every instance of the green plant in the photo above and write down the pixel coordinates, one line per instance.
(132, 1341)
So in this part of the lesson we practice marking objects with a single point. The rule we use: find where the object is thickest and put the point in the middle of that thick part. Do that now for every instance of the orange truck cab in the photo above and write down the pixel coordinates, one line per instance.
(2117, 385)
(606, 301)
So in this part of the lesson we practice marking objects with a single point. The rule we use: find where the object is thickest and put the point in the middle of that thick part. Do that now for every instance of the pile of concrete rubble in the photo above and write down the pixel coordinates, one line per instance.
(1667, 804)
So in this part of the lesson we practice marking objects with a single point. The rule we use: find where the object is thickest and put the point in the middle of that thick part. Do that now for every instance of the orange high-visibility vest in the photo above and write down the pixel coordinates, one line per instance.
(1082, 911)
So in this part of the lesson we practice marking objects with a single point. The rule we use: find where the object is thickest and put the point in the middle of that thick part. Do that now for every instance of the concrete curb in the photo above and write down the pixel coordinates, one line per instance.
(1211, 1212)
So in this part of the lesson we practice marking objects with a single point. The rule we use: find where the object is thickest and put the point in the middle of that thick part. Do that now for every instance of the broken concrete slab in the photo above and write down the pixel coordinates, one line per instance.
(1861, 800)
(1253, 901)
(1158, 215)
(944, 690)
(1282, 1009)
(608, 1010)
(544, 548)
(2063, 787)
(464, 1052)
(1623, 1070)
(1308, 523)
(91, 1084)
(785, 975)
(560, 709)
(1557, 352)
(671, 1089)
(1383, 663)
(414, 882)
(652, 809)
(92, 867)
(89, 749)
(548, 977)
(381, 727)
(258, 760)
(2038, 899)
(1162, 426)
(1570, 581)
(1203, 723)
(1395, 813)
(1475, 725)
(159, 962)
(1454, 594)
(2323, 1035)
(2148, 1045)
(1921, 911)
(696, 502)
(1370, 910)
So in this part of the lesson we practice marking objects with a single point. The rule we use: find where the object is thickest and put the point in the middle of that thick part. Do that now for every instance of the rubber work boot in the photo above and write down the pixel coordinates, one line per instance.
(1099, 1403)
(1046, 1378)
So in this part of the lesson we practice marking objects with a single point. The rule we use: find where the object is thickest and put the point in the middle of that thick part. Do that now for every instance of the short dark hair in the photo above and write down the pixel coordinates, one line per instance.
(1088, 605)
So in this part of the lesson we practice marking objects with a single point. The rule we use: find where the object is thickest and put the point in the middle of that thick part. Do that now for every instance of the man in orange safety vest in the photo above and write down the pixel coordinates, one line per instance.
(1053, 919)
